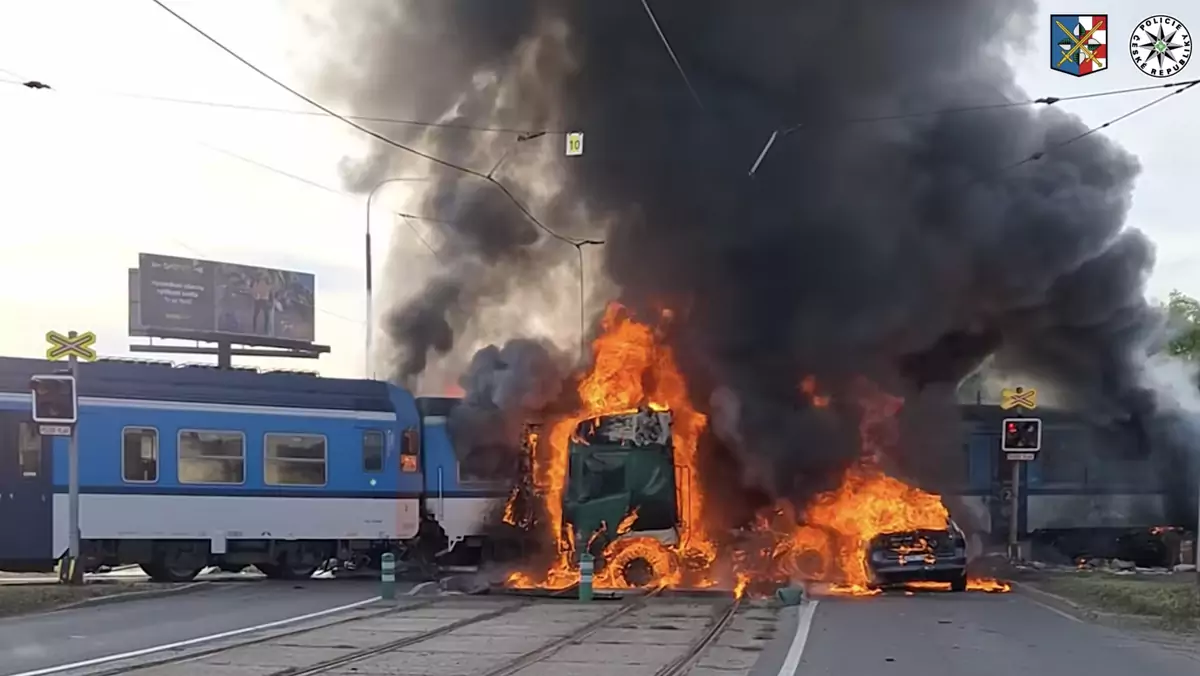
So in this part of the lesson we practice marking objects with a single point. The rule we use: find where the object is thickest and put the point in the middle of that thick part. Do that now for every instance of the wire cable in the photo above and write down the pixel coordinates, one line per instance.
(666, 43)
(530, 133)
(776, 135)
(275, 170)
(1046, 100)
(1181, 88)
(369, 132)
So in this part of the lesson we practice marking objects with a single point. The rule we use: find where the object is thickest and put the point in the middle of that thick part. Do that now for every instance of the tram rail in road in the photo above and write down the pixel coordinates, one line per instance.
(488, 635)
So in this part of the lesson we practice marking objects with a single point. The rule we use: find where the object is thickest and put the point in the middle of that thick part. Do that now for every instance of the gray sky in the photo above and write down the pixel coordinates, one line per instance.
(90, 179)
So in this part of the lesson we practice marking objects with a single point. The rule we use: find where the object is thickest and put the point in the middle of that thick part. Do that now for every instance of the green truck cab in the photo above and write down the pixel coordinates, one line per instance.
(622, 484)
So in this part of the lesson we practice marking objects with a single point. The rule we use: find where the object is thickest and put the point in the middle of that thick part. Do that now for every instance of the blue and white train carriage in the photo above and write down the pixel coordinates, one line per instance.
(181, 468)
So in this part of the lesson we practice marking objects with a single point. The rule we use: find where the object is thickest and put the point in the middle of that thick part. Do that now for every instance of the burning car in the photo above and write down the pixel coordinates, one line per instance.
(921, 555)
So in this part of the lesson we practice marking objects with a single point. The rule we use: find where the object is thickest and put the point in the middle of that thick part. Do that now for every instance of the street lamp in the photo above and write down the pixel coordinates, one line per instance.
(369, 372)
(582, 312)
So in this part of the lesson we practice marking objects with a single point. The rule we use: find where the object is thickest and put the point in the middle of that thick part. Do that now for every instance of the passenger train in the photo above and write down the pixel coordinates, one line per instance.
(185, 467)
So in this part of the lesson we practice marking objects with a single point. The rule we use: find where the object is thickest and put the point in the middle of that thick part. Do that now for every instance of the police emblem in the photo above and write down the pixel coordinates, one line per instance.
(1079, 44)
(1160, 46)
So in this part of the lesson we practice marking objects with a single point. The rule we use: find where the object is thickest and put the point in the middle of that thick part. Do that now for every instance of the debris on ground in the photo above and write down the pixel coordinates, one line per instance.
(1173, 600)
(17, 599)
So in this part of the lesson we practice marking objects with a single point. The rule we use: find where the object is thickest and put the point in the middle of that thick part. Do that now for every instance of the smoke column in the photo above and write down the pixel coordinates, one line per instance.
(905, 249)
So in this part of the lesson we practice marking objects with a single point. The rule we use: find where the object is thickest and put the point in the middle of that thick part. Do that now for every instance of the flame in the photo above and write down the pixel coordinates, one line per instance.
(988, 585)
(510, 516)
(627, 522)
(630, 369)
(824, 541)
(808, 386)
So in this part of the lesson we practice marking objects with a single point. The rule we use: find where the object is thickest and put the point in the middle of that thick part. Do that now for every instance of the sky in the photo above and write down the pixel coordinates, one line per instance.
(90, 176)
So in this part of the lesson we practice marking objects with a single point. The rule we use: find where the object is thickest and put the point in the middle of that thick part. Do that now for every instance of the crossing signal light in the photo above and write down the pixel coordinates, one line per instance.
(54, 400)
(1022, 434)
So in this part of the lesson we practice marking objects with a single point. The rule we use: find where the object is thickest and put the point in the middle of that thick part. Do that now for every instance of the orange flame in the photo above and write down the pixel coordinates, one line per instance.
(630, 369)
(808, 386)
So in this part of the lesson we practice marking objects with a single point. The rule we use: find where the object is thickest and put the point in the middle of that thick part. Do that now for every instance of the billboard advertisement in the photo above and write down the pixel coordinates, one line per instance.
(198, 296)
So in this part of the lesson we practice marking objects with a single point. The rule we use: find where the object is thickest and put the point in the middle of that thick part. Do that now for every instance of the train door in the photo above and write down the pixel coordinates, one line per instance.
(26, 493)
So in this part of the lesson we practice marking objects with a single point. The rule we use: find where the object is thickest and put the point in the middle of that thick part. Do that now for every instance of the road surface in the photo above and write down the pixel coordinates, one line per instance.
(36, 642)
(973, 635)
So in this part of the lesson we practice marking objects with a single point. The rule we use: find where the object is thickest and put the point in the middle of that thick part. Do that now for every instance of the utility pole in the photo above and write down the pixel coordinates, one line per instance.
(368, 357)
(583, 297)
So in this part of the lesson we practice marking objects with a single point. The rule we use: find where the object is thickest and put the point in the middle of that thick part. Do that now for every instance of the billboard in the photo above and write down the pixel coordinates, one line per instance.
(193, 296)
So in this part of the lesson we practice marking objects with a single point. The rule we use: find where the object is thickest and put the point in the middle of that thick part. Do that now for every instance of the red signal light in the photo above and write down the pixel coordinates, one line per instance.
(1012, 427)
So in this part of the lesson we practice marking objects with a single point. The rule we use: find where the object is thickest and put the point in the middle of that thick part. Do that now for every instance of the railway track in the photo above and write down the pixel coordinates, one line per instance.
(678, 666)
(216, 650)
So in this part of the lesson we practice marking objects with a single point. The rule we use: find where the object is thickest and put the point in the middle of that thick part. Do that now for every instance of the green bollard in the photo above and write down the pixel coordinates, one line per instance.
(586, 571)
(387, 565)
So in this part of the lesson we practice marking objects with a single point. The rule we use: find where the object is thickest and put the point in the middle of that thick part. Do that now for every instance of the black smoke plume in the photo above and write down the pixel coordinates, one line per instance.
(905, 249)
(506, 387)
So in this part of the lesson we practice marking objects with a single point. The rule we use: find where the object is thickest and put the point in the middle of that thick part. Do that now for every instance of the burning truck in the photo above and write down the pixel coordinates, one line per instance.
(620, 479)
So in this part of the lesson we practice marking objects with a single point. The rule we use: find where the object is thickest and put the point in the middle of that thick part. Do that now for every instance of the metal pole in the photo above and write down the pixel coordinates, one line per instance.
(582, 310)
(75, 573)
(1013, 522)
(387, 566)
(586, 572)
(582, 296)
(368, 369)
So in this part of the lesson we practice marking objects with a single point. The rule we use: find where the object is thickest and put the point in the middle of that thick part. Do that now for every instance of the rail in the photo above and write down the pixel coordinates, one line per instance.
(188, 656)
(676, 667)
(398, 644)
(683, 663)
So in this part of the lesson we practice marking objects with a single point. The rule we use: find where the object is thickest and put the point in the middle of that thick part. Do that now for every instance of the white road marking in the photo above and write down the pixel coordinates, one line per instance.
(195, 641)
(1054, 610)
(796, 650)
(418, 587)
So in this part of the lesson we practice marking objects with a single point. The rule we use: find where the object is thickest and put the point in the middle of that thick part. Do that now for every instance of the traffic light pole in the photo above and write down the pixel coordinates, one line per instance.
(1014, 539)
(74, 572)
(1014, 523)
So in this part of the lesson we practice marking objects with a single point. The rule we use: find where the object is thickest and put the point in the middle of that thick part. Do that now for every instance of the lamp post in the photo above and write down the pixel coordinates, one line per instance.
(368, 356)
(582, 304)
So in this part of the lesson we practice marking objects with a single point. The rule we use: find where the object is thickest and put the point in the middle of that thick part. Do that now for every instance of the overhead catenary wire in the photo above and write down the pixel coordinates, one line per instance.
(334, 191)
(244, 107)
(286, 174)
(1181, 88)
(369, 132)
(780, 133)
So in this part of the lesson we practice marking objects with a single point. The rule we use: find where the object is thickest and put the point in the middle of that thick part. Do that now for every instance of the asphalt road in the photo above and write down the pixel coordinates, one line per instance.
(36, 642)
(975, 634)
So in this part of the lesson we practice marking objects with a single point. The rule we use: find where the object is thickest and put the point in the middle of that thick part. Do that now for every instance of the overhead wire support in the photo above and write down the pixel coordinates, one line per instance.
(671, 52)
(782, 132)
(369, 132)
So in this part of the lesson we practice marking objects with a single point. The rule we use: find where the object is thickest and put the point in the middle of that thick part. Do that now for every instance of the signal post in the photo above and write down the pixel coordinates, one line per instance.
(55, 403)
(1021, 441)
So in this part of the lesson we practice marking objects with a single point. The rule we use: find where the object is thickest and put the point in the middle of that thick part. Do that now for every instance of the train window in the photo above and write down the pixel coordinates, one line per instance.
(409, 448)
(139, 454)
(212, 457)
(295, 459)
(30, 450)
(372, 451)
